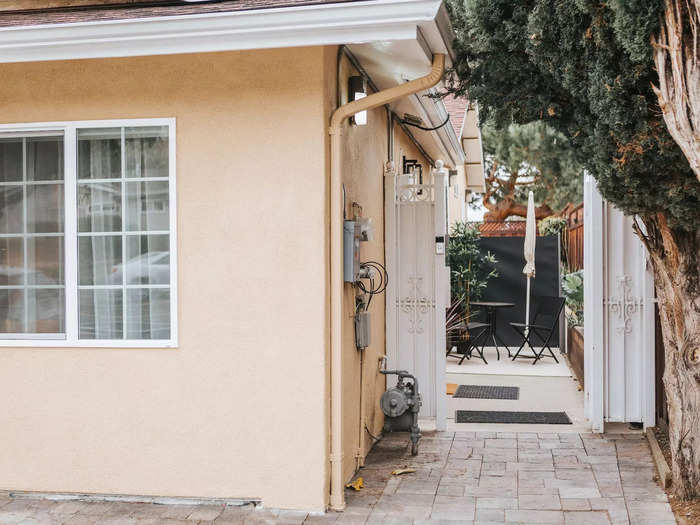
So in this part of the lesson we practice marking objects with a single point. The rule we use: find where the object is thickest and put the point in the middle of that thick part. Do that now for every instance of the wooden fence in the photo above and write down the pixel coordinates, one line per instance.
(574, 237)
(501, 229)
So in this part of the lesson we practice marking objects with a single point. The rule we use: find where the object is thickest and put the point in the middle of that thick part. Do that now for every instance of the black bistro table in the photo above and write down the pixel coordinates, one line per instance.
(491, 316)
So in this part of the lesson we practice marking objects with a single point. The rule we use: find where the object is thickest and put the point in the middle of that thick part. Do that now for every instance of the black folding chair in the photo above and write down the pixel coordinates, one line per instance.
(543, 325)
(476, 330)
(465, 339)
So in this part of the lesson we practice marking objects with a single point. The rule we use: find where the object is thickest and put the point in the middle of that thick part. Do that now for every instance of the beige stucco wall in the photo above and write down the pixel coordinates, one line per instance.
(365, 154)
(240, 408)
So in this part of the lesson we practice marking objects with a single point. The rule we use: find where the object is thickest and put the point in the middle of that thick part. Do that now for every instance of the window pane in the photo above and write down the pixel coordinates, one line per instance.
(11, 209)
(45, 158)
(11, 311)
(100, 260)
(11, 261)
(100, 207)
(148, 259)
(101, 314)
(45, 307)
(99, 153)
(45, 208)
(45, 260)
(148, 313)
(147, 206)
(147, 151)
(10, 160)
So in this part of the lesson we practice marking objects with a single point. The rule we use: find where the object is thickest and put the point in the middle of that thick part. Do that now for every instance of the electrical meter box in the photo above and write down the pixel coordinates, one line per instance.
(351, 251)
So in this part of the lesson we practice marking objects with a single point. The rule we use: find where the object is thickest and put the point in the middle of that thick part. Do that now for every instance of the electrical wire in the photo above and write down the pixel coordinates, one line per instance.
(407, 123)
(375, 288)
(375, 438)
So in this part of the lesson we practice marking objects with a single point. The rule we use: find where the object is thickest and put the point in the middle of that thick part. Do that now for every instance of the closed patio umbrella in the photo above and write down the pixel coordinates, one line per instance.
(529, 252)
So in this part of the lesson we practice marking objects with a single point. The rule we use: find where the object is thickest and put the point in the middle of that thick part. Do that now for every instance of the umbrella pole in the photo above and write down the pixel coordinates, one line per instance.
(527, 308)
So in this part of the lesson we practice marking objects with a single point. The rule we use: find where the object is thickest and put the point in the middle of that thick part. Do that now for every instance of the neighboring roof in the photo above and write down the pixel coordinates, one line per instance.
(65, 15)
(457, 109)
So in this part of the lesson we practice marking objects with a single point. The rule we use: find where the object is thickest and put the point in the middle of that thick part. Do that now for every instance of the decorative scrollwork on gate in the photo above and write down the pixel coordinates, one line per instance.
(415, 305)
(624, 305)
(414, 193)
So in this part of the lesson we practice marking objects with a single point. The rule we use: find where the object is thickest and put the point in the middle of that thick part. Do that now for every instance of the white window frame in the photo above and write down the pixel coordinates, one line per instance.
(71, 337)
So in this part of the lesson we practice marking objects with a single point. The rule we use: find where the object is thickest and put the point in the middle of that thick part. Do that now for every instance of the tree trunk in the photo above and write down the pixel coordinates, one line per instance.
(507, 207)
(675, 255)
(678, 65)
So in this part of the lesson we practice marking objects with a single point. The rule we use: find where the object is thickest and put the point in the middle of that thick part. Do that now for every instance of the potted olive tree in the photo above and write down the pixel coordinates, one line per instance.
(470, 271)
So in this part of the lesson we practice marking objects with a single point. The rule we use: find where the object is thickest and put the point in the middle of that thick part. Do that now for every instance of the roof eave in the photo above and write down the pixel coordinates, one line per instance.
(323, 24)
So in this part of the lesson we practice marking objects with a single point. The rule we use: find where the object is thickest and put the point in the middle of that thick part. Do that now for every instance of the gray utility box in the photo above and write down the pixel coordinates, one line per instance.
(362, 330)
(351, 251)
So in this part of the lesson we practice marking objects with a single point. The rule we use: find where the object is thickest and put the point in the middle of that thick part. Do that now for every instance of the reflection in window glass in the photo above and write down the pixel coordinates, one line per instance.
(32, 217)
(11, 160)
(45, 260)
(147, 206)
(118, 266)
(148, 313)
(99, 153)
(12, 307)
(101, 314)
(11, 209)
(45, 208)
(148, 259)
(45, 158)
(11, 260)
(45, 311)
(100, 207)
(146, 151)
(100, 260)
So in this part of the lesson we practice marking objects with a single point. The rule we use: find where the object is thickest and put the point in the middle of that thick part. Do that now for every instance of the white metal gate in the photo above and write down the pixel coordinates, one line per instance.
(618, 317)
(418, 290)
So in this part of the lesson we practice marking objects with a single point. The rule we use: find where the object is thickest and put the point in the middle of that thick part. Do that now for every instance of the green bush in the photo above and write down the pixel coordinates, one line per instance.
(572, 285)
(552, 225)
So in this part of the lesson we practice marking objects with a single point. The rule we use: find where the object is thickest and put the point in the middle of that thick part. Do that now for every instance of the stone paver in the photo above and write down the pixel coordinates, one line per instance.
(468, 478)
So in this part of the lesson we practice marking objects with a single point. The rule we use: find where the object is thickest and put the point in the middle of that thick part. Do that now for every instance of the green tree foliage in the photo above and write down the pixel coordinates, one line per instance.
(519, 158)
(580, 66)
(470, 270)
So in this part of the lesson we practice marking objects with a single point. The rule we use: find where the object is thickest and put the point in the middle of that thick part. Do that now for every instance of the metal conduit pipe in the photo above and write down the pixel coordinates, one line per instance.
(337, 498)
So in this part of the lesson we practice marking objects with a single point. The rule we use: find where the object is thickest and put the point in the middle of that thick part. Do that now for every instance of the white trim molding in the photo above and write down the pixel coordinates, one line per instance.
(71, 338)
(325, 24)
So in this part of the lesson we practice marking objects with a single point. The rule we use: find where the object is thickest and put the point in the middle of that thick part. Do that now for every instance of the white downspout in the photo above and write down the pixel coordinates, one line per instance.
(337, 500)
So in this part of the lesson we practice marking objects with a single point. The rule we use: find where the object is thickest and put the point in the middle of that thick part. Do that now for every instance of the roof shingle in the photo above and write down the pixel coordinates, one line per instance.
(131, 10)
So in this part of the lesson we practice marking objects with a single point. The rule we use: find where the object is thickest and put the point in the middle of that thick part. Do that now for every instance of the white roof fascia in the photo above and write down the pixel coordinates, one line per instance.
(324, 24)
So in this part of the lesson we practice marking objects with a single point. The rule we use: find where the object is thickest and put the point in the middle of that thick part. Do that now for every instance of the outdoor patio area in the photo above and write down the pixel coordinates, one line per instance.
(546, 386)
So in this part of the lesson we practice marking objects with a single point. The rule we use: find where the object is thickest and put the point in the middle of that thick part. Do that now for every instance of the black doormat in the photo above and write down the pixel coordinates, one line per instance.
(490, 416)
(488, 392)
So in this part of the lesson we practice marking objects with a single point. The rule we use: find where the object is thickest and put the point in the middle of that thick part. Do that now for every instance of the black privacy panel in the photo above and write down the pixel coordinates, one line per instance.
(511, 284)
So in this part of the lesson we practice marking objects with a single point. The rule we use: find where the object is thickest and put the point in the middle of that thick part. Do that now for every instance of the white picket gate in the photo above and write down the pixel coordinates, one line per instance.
(418, 291)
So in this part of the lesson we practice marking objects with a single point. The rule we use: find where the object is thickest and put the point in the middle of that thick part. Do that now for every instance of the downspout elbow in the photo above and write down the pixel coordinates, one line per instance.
(388, 95)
